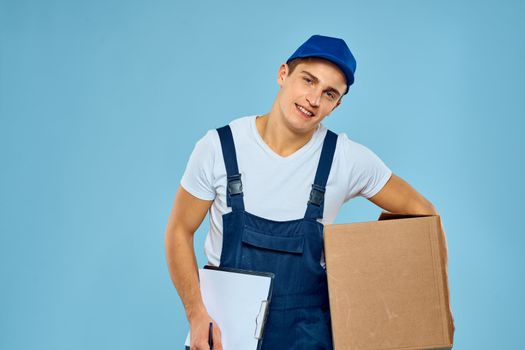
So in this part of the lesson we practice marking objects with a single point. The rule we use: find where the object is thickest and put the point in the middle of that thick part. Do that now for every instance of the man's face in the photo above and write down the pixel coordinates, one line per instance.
(309, 94)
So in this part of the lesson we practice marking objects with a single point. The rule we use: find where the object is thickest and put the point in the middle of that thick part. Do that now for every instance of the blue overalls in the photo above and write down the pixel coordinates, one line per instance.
(299, 316)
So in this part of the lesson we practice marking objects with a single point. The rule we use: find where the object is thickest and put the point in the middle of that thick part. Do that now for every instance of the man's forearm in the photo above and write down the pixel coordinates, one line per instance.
(182, 264)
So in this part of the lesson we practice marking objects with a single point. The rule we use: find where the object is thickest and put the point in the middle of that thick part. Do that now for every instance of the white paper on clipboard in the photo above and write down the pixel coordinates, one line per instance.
(238, 301)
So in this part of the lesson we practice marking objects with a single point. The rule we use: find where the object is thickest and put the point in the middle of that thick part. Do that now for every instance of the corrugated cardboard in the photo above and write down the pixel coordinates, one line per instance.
(388, 285)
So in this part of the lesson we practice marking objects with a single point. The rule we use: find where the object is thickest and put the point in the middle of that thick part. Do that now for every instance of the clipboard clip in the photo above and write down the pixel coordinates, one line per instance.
(260, 320)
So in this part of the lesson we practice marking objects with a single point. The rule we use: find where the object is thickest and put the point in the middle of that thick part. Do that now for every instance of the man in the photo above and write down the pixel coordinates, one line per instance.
(270, 183)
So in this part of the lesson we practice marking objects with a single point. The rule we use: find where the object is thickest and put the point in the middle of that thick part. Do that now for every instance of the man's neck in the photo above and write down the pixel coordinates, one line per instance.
(278, 137)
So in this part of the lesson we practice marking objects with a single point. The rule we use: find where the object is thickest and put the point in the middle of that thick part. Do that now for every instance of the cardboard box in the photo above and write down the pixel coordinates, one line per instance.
(388, 284)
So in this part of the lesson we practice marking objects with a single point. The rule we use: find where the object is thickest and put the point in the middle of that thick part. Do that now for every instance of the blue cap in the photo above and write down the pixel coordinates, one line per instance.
(334, 50)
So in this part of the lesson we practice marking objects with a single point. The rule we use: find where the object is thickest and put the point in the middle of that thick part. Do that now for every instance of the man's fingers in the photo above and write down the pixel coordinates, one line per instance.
(201, 345)
(217, 338)
(217, 345)
(200, 330)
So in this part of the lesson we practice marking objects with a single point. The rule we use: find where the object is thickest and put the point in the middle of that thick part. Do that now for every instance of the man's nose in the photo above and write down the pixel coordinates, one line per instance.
(314, 98)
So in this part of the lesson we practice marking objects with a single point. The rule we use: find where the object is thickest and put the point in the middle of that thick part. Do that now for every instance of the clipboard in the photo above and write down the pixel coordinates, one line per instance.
(239, 301)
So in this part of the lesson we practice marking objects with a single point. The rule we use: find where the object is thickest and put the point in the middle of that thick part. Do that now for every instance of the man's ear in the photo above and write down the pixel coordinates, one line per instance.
(282, 74)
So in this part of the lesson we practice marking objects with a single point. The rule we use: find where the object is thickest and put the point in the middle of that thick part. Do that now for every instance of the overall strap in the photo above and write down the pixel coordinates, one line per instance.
(234, 195)
(314, 209)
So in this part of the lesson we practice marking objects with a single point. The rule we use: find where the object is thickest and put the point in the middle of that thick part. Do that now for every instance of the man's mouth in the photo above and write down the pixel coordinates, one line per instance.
(304, 111)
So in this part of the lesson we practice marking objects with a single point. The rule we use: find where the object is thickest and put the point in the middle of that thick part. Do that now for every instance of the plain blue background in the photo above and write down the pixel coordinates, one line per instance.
(101, 103)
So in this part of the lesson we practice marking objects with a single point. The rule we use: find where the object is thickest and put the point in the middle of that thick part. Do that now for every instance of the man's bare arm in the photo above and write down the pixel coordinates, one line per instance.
(187, 214)
(397, 196)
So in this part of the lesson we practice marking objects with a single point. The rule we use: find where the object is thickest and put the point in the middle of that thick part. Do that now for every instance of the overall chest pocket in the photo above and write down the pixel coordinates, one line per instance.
(286, 244)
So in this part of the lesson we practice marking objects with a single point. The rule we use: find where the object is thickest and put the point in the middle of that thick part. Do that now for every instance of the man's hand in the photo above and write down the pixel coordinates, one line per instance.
(199, 331)
(397, 196)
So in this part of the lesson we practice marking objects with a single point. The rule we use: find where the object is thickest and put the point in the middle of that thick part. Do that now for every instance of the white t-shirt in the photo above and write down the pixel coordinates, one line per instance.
(276, 187)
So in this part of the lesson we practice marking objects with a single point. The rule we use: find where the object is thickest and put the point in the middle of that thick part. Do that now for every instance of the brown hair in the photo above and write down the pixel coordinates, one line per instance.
(296, 61)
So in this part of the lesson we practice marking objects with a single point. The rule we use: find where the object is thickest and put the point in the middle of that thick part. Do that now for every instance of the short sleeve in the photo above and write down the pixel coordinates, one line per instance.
(198, 177)
(368, 172)
(373, 174)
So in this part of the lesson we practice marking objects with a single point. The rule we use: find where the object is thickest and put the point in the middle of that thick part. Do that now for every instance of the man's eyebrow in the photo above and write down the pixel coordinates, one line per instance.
(316, 80)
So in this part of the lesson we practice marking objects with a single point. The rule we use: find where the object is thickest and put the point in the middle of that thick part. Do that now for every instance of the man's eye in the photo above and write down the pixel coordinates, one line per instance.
(307, 80)
(331, 95)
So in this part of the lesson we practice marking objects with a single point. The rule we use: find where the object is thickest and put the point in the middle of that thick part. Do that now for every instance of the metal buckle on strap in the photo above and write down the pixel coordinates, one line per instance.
(235, 185)
(316, 195)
